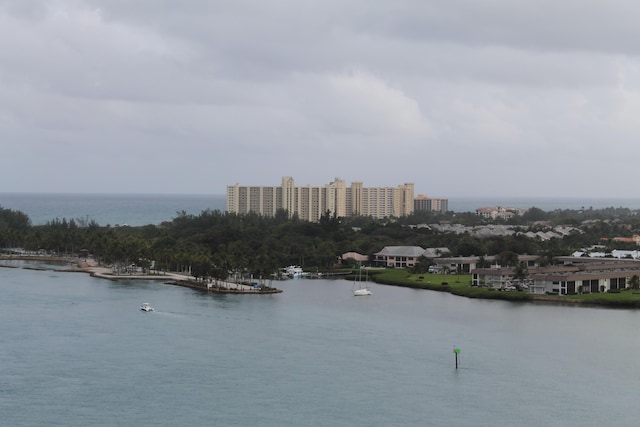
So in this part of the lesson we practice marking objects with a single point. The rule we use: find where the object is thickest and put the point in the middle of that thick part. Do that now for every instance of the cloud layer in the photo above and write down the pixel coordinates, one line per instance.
(463, 98)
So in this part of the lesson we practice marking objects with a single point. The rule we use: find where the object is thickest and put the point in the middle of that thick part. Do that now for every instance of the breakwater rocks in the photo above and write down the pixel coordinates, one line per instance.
(226, 287)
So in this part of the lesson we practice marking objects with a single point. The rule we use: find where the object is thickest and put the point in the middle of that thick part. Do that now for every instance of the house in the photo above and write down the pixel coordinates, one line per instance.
(398, 256)
(494, 278)
(406, 256)
(465, 265)
(462, 265)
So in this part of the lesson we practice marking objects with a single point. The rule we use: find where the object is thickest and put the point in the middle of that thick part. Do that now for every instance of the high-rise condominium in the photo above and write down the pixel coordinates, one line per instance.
(311, 202)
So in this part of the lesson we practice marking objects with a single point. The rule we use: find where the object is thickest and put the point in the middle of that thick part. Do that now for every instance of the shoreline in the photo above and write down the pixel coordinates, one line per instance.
(81, 265)
(515, 297)
(88, 265)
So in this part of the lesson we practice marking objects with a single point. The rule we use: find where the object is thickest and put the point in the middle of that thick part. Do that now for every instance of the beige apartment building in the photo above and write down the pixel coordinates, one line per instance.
(311, 202)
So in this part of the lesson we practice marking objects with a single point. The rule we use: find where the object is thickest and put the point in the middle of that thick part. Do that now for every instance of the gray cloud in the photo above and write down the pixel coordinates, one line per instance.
(459, 97)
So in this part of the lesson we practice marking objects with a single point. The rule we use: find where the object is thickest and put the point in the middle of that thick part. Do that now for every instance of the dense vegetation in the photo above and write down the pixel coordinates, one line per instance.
(214, 243)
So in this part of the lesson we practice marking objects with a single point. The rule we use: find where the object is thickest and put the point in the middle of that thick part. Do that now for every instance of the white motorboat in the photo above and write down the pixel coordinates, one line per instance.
(146, 307)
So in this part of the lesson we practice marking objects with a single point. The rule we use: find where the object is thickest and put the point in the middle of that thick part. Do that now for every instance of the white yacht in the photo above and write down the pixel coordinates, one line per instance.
(146, 307)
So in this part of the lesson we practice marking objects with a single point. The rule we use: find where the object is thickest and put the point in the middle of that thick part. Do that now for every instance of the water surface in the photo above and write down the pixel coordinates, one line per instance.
(76, 351)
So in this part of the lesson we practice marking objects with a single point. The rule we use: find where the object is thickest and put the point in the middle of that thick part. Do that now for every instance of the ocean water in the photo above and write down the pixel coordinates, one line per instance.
(110, 209)
(76, 351)
(470, 204)
(143, 209)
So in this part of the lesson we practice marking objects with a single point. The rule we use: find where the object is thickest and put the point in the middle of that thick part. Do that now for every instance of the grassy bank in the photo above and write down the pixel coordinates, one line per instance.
(461, 285)
(457, 284)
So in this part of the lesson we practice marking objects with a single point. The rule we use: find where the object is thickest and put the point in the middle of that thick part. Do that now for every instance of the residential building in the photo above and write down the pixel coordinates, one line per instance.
(311, 202)
(501, 212)
(398, 256)
(424, 203)
(406, 256)
(462, 265)
(576, 275)
(465, 265)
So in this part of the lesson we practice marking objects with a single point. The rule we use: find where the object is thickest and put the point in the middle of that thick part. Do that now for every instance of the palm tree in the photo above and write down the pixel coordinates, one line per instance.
(521, 272)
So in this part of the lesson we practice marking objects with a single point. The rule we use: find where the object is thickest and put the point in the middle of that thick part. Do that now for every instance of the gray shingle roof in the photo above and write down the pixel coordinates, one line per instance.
(408, 251)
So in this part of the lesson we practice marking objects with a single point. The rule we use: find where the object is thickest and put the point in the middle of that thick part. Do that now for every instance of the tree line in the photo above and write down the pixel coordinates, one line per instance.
(214, 243)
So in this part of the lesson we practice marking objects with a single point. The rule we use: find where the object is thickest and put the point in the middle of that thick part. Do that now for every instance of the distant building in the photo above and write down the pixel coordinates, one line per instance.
(399, 256)
(465, 265)
(499, 212)
(405, 256)
(633, 239)
(311, 202)
(576, 275)
(424, 203)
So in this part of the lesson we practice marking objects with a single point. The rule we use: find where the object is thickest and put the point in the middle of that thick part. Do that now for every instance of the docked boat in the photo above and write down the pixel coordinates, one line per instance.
(293, 271)
(146, 307)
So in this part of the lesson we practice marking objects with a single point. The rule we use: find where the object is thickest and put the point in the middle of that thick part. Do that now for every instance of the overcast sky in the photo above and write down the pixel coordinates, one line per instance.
(460, 97)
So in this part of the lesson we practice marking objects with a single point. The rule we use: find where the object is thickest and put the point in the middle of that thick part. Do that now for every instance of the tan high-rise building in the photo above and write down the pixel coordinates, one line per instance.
(311, 202)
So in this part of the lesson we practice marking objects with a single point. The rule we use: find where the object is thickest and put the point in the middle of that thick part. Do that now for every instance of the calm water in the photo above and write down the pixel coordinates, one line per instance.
(76, 351)
(110, 209)
(545, 203)
(143, 209)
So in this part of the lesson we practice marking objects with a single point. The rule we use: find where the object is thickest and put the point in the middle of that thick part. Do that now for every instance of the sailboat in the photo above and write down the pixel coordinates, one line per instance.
(360, 287)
